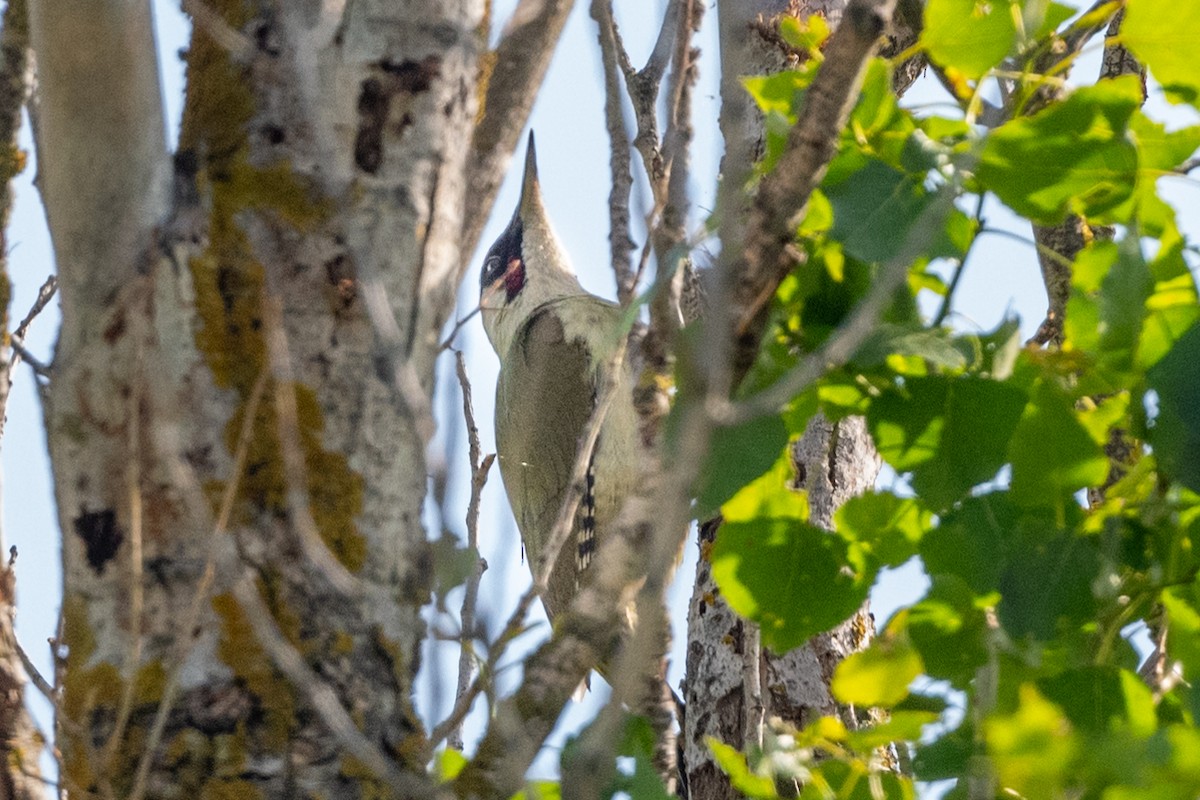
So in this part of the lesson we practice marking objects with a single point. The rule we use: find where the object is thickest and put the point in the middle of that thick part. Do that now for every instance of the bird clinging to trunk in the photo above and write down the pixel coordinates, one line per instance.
(555, 341)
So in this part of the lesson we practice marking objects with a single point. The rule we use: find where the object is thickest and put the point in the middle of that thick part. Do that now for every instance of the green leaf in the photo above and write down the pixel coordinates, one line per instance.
(970, 36)
(1163, 37)
(1056, 14)
(781, 92)
(1033, 749)
(970, 541)
(887, 526)
(1161, 151)
(949, 631)
(1052, 454)
(1100, 699)
(808, 34)
(929, 345)
(448, 763)
(873, 209)
(1175, 436)
(539, 790)
(776, 569)
(1106, 322)
(733, 763)
(1071, 156)
(769, 496)
(879, 675)
(931, 426)
(1047, 584)
(1184, 642)
(737, 456)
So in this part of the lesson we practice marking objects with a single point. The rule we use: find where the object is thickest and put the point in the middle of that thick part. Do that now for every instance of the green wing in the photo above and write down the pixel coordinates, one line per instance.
(546, 391)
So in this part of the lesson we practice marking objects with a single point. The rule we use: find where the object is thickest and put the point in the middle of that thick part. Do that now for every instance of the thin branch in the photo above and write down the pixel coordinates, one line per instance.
(635, 675)
(17, 339)
(39, 681)
(952, 287)
(184, 647)
(44, 295)
(448, 342)
(490, 768)
(620, 242)
(480, 465)
(39, 369)
(767, 257)
(843, 343)
(295, 470)
(1188, 166)
(323, 699)
(512, 73)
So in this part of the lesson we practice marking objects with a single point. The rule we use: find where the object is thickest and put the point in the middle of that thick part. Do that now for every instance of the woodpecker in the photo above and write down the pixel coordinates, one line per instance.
(554, 340)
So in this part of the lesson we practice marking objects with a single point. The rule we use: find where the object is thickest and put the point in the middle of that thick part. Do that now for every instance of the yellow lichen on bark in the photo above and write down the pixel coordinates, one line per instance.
(230, 283)
(239, 648)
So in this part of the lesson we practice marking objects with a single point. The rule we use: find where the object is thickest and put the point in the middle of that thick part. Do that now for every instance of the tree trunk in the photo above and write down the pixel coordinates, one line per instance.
(241, 387)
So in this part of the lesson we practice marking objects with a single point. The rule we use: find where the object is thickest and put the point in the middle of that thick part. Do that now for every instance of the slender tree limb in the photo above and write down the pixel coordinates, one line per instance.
(45, 293)
(324, 699)
(952, 287)
(767, 256)
(843, 343)
(523, 722)
(480, 465)
(620, 243)
(106, 175)
(513, 72)
(638, 678)
(185, 644)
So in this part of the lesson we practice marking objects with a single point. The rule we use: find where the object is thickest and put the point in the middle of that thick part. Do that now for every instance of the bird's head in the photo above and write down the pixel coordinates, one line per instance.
(525, 267)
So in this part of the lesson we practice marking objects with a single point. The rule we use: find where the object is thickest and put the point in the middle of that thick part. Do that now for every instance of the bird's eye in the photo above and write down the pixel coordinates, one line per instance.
(493, 268)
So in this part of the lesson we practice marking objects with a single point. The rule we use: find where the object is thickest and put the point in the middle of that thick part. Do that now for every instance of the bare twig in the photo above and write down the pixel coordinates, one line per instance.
(17, 340)
(512, 74)
(480, 465)
(448, 342)
(295, 471)
(35, 675)
(620, 243)
(237, 44)
(322, 698)
(557, 538)
(39, 369)
(952, 287)
(752, 658)
(133, 485)
(44, 295)
(185, 643)
(766, 257)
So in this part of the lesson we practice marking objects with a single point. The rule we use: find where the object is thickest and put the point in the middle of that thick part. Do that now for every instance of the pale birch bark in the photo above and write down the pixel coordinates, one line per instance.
(240, 394)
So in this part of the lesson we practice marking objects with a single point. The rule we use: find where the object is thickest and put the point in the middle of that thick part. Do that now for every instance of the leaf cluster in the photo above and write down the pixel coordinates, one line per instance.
(1051, 495)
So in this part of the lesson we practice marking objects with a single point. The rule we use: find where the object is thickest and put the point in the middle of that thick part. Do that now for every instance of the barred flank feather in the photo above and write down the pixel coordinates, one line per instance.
(587, 523)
